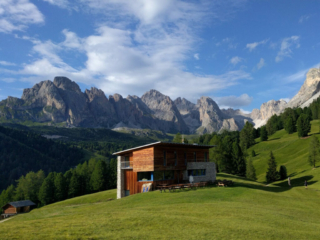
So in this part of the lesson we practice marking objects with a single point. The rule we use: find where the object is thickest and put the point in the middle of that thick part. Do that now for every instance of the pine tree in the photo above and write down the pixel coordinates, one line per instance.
(303, 125)
(46, 193)
(99, 177)
(272, 173)
(251, 171)
(263, 133)
(60, 187)
(247, 136)
(289, 125)
(314, 154)
(74, 186)
(283, 172)
(177, 138)
(253, 153)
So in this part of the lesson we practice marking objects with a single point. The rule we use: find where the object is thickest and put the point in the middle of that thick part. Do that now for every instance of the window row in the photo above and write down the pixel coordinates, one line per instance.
(184, 157)
(197, 172)
(156, 176)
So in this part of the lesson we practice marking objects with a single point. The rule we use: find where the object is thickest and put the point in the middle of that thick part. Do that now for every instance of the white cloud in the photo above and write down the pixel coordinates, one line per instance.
(16, 15)
(5, 63)
(234, 101)
(196, 56)
(261, 63)
(300, 75)
(286, 45)
(59, 3)
(235, 60)
(148, 55)
(304, 18)
(253, 45)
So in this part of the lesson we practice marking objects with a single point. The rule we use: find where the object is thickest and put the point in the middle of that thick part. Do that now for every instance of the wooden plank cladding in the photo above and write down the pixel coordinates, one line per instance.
(131, 181)
(143, 160)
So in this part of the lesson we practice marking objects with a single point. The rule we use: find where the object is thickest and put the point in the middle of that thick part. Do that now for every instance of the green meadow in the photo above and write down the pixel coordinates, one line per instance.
(247, 210)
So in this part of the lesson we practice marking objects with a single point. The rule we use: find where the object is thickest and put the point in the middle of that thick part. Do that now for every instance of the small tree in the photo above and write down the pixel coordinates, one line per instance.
(99, 177)
(253, 153)
(272, 173)
(303, 125)
(247, 136)
(177, 138)
(60, 192)
(46, 193)
(251, 171)
(283, 172)
(289, 125)
(263, 133)
(314, 153)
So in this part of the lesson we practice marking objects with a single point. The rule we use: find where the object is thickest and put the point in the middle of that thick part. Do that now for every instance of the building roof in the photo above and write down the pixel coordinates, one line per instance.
(24, 203)
(164, 144)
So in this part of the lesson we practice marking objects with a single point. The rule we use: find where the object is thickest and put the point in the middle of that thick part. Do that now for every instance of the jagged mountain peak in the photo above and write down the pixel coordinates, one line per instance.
(66, 84)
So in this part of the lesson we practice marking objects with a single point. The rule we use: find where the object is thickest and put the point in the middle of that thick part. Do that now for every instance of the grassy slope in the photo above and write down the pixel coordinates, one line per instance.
(291, 152)
(249, 210)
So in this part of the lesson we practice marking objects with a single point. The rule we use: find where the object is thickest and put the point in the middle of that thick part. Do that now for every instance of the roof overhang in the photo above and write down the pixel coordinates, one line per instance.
(186, 145)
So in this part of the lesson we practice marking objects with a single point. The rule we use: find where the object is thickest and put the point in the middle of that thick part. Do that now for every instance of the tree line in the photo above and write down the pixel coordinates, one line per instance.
(89, 177)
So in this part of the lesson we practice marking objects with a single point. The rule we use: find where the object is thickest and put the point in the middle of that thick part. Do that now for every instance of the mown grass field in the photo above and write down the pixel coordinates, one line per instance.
(248, 210)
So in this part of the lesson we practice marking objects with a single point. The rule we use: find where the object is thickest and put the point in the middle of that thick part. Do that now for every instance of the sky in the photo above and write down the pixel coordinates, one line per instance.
(240, 53)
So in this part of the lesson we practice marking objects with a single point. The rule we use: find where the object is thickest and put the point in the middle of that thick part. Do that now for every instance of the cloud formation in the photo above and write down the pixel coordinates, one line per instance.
(59, 3)
(5, 63)
(150, 54)
(16, 15)
(196, 56)
(286, 46)
(234, 101)
(235, 60)
(261, 63)
(252, 46)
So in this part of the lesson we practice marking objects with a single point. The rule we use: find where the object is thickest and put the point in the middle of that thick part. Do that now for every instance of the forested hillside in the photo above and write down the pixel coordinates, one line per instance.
(22, 151)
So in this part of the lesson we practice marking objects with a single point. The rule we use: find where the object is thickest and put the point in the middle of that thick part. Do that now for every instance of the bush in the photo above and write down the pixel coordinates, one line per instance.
(253, 153)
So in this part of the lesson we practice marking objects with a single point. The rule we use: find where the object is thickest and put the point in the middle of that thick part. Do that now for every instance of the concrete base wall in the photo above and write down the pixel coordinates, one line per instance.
(120, 178)
(210, 171)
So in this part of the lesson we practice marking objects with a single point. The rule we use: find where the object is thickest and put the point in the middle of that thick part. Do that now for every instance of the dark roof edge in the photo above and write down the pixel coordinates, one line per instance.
(156, 143)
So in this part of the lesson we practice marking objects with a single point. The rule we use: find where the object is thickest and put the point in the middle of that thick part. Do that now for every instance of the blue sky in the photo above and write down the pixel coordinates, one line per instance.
(240, 53)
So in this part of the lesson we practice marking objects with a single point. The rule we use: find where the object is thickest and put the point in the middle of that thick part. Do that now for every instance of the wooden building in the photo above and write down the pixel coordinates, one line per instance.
(160, 163)
(13, 208)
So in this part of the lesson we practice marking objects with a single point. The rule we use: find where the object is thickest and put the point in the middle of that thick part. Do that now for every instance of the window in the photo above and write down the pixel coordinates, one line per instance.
(185, 158)
(197, 172)
(194, 156)
(164, 158)
(206, 157)
(145, 176)
(163, 175)
(175, 158)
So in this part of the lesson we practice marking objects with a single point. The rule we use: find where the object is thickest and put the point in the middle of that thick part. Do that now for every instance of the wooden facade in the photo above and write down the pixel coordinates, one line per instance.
(160, 157)
(13, 208)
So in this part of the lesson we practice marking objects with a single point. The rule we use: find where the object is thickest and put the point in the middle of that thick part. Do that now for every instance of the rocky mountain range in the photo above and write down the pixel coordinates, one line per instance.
(61, 102)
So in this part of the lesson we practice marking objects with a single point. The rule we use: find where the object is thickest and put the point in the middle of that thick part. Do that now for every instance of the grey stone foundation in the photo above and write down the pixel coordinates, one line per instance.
(210, 171)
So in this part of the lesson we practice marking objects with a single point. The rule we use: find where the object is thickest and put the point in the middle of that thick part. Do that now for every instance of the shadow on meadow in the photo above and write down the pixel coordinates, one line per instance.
(278, 187)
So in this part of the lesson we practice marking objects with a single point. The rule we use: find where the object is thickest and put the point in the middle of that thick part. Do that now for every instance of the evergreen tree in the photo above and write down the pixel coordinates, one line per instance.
(247, 136)
(177, 138)
(303, 125)
(216, 153)
(253, 153)
(251, 171)
(274, 124)
(314, 154)
(283, 172)
(112, 169)
(272, 173)
(263, 133)
(289, 125)
(226, 163)
(60, 187)
(46, 193)
(74, 186)
(99, 177)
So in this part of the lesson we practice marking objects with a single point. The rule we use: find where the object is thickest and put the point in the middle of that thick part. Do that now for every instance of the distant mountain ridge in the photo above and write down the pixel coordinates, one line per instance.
(61, 101)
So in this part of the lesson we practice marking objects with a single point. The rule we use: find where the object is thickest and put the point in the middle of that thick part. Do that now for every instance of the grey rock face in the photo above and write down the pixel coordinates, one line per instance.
(310, 87)
(165, 111)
